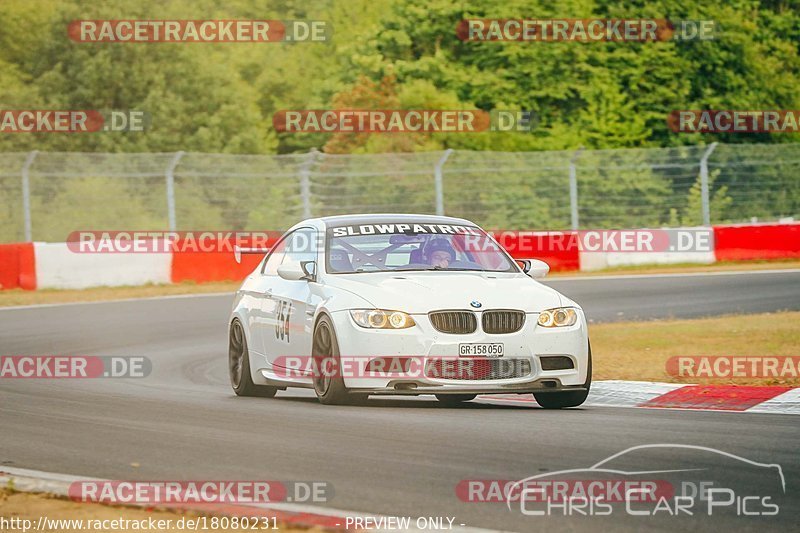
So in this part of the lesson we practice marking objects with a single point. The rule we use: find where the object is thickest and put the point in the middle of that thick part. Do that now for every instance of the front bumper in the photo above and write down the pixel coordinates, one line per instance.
(531, 343)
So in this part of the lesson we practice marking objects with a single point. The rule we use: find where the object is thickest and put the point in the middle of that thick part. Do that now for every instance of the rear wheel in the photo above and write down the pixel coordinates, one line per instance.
(560, 400)
(454, 400)
(328, 381)
(239, 366)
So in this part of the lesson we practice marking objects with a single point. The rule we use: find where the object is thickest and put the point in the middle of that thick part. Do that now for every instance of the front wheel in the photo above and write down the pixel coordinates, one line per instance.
(239, 365)
(454, 400)
(328, 381)
(560, 400)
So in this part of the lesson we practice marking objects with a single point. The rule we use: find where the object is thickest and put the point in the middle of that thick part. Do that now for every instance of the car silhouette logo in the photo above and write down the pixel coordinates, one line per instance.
(475, 303)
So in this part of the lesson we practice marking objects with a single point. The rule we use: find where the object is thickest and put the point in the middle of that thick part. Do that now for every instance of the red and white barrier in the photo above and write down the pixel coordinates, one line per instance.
(17, 266)
(556, 248)
(602, 260)
(749, 242)
(58, 267)
(55, 266)
(194, 265)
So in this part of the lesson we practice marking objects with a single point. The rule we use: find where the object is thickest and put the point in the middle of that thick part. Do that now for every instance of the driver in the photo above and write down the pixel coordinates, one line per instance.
(440, 253)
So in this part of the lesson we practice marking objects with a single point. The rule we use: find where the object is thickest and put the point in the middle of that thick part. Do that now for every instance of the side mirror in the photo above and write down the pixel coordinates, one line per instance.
(307, 271)
(534, 268)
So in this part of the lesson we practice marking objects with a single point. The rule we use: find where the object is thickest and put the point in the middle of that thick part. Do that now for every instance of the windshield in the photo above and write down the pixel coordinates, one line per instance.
(413, 247)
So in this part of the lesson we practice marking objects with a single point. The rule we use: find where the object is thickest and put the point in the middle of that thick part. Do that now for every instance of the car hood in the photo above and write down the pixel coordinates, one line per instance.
(423, 292)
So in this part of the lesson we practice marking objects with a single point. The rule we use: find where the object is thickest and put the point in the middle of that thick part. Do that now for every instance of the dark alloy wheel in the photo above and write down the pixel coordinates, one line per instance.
(239, 365)
(328, 381)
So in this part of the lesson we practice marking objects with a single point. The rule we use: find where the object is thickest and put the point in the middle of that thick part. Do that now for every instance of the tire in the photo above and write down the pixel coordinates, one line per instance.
(560, 400)
(239, 365)
(328, 382)
(454, 400)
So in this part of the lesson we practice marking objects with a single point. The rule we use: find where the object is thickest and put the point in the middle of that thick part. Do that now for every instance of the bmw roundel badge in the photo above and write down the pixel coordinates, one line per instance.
(475, 303)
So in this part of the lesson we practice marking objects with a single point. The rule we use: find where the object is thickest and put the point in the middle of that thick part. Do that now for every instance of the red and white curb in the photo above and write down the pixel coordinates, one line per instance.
(289, 514)
(645, 394)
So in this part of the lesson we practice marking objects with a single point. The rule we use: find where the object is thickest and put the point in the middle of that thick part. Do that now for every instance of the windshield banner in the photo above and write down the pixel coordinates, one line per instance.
(408, 229)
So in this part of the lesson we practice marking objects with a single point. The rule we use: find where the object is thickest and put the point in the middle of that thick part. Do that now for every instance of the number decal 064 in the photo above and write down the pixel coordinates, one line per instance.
(282, 322)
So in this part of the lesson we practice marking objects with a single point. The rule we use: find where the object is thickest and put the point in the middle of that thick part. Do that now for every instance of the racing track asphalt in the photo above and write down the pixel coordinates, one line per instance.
(643, 297)
(391, 456)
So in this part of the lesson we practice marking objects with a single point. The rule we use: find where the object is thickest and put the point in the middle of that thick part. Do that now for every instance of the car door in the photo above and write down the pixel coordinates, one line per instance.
(264, 306)
(293, 304)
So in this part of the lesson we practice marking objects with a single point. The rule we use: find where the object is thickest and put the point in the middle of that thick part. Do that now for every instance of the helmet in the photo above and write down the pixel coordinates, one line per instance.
(440, 245)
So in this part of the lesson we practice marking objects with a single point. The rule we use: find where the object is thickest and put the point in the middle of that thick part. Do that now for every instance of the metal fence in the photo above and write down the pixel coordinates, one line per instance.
(44, 196)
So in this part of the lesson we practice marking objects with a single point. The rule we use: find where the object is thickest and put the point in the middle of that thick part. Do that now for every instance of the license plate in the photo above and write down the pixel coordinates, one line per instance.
(481, 349)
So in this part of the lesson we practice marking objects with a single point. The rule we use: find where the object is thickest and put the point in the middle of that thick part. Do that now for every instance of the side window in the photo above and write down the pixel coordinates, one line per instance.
(275, 258)
(302, 245)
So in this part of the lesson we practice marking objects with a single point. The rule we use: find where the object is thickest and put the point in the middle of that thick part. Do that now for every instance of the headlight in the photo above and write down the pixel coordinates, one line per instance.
(382, 319)
(558, 317)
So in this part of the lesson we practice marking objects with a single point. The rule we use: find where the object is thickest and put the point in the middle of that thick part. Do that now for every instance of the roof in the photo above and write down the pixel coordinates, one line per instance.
(383, 218)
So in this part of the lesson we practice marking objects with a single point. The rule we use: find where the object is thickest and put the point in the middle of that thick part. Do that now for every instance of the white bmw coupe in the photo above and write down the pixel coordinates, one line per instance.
(356, 305)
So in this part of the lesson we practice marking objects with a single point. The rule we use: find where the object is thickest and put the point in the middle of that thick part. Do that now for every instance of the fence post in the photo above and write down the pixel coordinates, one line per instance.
(305, 182)
(26, 195)
(438, 182)
(573, 190)
(170, 176)
(704, 194)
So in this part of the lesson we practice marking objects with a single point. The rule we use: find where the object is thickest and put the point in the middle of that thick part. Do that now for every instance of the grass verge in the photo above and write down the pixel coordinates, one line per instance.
(640, 350)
